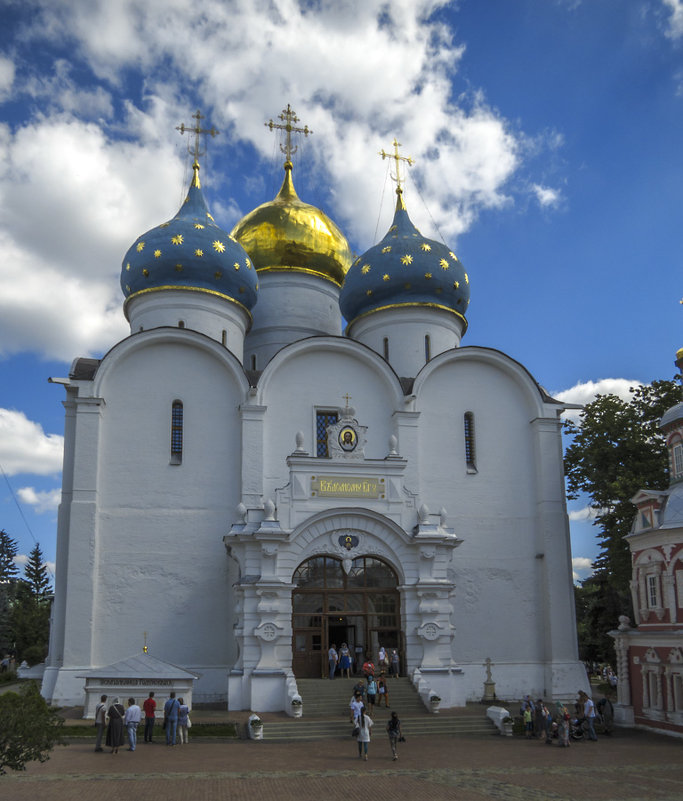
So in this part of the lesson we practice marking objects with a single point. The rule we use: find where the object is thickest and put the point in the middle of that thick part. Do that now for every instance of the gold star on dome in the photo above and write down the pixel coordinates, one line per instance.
(164, 225)
(428, 276)
(248, 263)
(407, 259)
(236, 265)
(452, 255)
(140, 247)
(199, 252)
(365, 269)
(218, 274)
(385, 277)
(426, 247)
(209, 216)
(198, 226)
(368, 292)
(387, 249)
(157, 253)
(177, 239)
(456, 284)
(444, 264)
(393, 228)
(128, 266)
(407, 286)
(219, 246)
(179, 268)
(127, 288)
(467, 278)
(145, 272)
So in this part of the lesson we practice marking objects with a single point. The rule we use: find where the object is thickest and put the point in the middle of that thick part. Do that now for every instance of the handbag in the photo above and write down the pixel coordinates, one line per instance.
(356, 731)
(189, 723)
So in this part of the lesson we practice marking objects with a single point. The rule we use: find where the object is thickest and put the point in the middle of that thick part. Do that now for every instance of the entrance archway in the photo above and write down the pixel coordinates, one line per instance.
(360, 608)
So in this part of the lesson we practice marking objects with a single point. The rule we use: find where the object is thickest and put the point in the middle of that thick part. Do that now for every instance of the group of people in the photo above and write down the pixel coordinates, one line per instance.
(363, 723)
(120, 723)
(344, 660)
(542, 721)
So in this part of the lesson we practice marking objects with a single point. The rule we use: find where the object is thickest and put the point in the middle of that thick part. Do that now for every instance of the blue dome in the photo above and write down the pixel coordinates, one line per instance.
(405, 269)
(190, 252)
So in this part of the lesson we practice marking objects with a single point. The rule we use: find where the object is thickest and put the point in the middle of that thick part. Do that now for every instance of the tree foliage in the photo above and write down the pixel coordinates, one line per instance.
(35, 573)
(30, 624)
(30, 728)
(616, 450)
(9, 577)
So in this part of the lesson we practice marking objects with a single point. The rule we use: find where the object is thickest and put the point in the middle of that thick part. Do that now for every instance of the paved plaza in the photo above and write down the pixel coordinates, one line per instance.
(631, 766)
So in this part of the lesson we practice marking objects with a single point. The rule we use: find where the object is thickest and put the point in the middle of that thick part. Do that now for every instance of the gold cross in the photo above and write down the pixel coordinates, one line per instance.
(347, 398)
(288, 117)
(398, 159)
(197, 130)
(144, 647)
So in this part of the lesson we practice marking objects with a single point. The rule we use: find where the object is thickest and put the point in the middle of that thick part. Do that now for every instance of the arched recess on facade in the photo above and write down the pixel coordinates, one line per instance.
(348, 569)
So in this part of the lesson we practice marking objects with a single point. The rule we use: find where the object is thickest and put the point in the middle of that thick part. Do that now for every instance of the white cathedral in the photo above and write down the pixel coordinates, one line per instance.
(292, 449)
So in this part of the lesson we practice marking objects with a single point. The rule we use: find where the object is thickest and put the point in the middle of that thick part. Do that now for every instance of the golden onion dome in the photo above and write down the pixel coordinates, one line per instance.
(288, 234)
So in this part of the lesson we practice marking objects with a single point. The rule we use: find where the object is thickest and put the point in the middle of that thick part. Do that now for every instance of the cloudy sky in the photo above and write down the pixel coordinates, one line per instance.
(546, 135)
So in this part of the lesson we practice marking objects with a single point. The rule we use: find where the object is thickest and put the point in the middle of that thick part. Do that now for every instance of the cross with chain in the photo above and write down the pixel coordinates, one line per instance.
(347, 398)
(398, 159)
(197, 130)
(288, 117)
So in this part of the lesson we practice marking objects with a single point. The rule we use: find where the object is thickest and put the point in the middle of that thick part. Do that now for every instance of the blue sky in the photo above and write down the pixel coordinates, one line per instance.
(547, 137)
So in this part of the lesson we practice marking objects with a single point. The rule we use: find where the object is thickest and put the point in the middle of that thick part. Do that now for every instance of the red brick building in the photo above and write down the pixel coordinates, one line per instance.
(650, 655)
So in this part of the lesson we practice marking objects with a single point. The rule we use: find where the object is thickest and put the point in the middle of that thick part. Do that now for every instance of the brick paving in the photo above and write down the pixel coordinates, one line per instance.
(631, 766)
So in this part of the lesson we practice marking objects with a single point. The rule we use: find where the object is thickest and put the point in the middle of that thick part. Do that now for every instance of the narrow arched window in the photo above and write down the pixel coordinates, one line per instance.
(177, 432)
(181, 323)
(385, 344)
(224, 338)
(470, 447)
(428, 348)
(253, 361)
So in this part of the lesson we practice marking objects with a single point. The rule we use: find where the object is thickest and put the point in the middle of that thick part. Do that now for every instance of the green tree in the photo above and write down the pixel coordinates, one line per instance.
(35, 573)
(616, 449)
(9, 578)
(30, 728)
(30, 624)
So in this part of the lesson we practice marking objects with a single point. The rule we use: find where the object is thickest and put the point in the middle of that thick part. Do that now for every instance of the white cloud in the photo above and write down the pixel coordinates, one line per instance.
(675, 30)
(546, 196)
(6, 77)
(41, 501)
(21, 560)
(26, 448)
(585, 514)
(586, 391)
(582, 568)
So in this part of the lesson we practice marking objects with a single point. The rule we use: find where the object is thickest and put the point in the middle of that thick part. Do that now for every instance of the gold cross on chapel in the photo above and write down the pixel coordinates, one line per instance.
(398, 159)
(288, 117)
(197, 130)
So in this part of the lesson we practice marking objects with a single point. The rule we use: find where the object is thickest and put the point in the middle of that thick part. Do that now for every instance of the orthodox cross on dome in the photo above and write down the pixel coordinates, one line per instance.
(195, 150)
(398, 158)
(347, 398)
(144, 647)
(288, 117)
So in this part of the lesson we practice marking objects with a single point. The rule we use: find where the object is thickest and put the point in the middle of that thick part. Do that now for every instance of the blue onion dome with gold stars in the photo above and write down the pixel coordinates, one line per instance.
(192, 253)
(405, 269)
(288, 235)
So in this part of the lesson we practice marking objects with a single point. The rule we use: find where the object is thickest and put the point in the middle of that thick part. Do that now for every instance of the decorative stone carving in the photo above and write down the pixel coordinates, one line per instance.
(423, 514)
(269, 510)
(299, 439)
(430, 631)
(346, 438)
(241, 511)
(393, 442)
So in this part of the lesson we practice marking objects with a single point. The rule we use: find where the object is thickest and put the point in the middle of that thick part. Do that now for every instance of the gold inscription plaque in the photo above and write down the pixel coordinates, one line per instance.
(346, 487)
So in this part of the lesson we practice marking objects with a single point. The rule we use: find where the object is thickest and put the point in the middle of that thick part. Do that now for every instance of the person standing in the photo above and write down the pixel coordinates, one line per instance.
(356, 705)
(332, 659)
(382, 693)
(372, 691)
(149, 706)
(131, 722)
(364, 726)
(345, 660)
(382, 661)
(115, 738)
(171, 718)
(589, 714)
(183, 721)
(394, 732)
(100, 722)
(393, 667)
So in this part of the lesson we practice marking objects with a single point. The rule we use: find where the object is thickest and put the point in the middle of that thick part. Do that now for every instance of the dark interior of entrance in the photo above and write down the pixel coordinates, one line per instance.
(329, 606)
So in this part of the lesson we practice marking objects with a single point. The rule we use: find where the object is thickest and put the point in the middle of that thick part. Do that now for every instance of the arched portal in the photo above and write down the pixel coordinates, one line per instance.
(329, 605)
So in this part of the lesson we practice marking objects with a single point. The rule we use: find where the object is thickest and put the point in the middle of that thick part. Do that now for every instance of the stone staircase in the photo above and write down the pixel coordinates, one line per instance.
(326, 714)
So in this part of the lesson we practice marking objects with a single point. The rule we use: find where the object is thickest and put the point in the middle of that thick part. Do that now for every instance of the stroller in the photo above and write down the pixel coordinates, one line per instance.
(578, 728)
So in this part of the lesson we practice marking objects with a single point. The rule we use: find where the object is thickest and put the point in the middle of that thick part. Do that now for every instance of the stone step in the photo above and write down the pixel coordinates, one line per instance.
(322, 697)
(302, 729)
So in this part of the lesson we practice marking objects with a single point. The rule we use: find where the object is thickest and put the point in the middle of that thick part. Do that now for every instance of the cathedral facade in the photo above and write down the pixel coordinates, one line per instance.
(247, 481)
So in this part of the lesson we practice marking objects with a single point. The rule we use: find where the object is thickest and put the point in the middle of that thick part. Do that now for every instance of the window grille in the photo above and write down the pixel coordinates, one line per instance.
(385, 345)
(470, 450)
(176, 432)
(652, 592)
(428, 348)
(678, 460)
(322, 420)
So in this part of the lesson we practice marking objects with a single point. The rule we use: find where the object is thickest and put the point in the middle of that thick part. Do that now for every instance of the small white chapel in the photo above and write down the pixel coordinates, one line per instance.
(292, 449)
